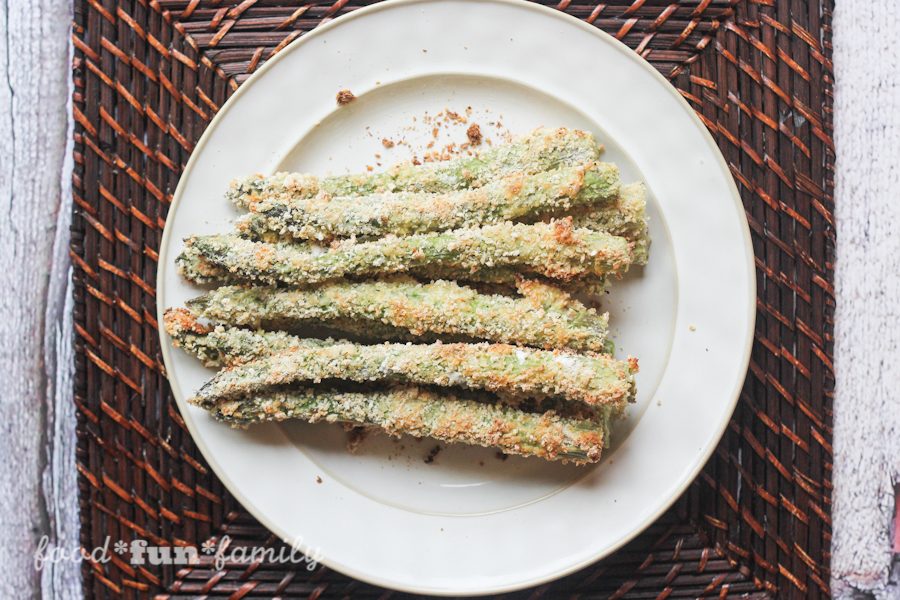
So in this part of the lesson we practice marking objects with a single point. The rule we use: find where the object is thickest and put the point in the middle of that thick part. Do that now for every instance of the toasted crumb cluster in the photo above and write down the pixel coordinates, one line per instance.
(474, 134)
(345, 97)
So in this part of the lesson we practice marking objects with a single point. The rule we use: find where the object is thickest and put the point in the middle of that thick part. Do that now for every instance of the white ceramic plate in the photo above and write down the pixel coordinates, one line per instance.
(469, 523)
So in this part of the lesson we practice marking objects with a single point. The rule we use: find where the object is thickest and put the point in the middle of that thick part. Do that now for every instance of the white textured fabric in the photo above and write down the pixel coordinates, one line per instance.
(867, 320)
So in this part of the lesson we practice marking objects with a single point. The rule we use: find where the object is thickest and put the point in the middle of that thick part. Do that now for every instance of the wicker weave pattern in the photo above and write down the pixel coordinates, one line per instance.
(148, 78)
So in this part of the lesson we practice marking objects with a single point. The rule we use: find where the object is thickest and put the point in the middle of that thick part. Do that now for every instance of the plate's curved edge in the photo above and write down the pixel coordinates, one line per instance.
(703, 456)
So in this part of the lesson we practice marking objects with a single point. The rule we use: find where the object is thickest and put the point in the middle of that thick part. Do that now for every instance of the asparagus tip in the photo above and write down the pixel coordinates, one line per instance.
(179, 321)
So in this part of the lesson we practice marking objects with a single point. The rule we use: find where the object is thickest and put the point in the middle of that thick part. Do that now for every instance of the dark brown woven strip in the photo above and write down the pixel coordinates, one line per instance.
(149, 77)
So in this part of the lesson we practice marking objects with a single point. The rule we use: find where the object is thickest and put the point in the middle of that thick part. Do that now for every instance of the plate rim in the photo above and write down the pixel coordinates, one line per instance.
(704, 455)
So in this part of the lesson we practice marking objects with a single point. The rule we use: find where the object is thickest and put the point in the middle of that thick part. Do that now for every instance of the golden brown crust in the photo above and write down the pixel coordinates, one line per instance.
(180, 320)
(563, 231)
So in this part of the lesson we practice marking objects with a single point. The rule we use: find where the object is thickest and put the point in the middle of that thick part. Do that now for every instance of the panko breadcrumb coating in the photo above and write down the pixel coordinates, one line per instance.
(425, 413)
(544, 317)
(217, 345)
(594, 379)
(541, 150)
(515, 197)
(555, 250)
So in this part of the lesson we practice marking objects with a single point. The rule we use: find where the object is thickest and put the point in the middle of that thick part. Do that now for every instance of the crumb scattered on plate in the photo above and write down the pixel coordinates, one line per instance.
(432, 454)
(355, 437)
(474, 134)
(345, 97)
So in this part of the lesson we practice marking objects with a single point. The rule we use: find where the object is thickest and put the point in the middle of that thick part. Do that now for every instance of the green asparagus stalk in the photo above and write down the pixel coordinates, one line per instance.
(555, 250)
(542, 150)
(593, 379)
(423, 413)
(219, 341)
(626, 217)
(545, 317)
(218, 346)
(194, 267)
(512, 198)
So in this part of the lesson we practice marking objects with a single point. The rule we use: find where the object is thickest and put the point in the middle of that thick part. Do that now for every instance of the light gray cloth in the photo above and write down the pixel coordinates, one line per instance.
(867, 320)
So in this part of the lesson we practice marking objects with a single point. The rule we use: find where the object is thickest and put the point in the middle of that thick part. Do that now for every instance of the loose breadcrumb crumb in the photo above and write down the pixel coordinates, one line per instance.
(345, 97)
(474, 134)
(432, 454)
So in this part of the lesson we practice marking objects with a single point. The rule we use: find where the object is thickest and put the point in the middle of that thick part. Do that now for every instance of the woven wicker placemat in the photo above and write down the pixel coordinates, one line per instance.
(149, 75)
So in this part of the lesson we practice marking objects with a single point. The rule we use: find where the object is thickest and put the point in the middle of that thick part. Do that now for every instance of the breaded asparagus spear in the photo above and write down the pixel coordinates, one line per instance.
(517, 196)
(626, 217)
(541, 150)
(546, 317)
(217, 346)
(496, 280)
(194, 267)
(423, 413)
(234, 341)
(555, 250)
(593, 379)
